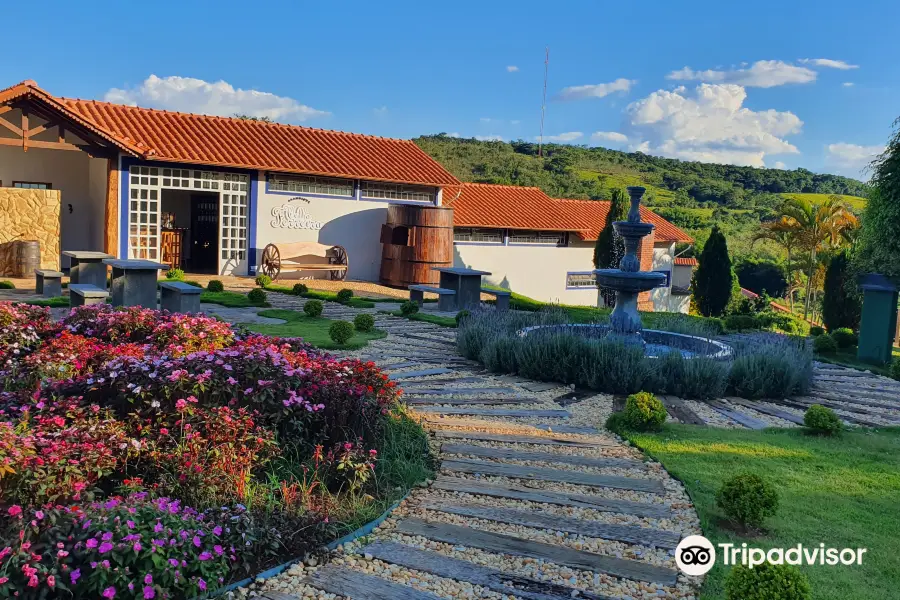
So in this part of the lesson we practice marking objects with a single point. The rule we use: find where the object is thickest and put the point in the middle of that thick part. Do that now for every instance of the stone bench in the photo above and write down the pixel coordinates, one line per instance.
(48, 283)
(85, 294)
(446, 297)
(502, 297)
(177, 296)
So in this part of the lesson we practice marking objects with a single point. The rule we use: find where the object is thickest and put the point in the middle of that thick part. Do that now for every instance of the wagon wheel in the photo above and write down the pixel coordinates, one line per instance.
(339, 257)
(271, 261)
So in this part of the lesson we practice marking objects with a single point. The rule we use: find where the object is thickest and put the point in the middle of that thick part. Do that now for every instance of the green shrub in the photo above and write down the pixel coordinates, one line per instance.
(698, 377)
(263, 280)
(215, 285)
(313, 308)
(299, 289)
(340, 332)
(616, 423)
(193, 283)
(767, 582)
(747, 499)
(895, 368)
(364, 322)
(844, 337)
(344, 295)
(822, 420)
(741, 322)
(409, 308)
(771, 366)
(643, 412)
(462, 315)
(825, 344)
(257, 296)
(175, 274)
(7, 285)
(816, 331)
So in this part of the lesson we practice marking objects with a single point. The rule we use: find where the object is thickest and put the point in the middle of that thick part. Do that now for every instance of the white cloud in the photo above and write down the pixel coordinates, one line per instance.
(847, 84)
(709, 124)
(829, 63)
(779, 165)
(515, 122)
(850, 159)
(563, 138)
(763, 73)
(599, 90)
(454, 134)
(186, 94)
(489, 138)
(486, 119)
(381, 111)
(512, 68)
(609, 136)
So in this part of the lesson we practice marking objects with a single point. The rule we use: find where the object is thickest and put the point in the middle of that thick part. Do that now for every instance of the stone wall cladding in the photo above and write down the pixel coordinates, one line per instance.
(29, 215)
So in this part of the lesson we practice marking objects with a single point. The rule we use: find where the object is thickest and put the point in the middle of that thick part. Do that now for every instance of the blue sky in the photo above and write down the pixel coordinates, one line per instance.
(800, 83)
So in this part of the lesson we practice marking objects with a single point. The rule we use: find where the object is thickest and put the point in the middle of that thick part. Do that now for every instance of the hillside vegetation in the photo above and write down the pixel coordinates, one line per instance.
(692, 195)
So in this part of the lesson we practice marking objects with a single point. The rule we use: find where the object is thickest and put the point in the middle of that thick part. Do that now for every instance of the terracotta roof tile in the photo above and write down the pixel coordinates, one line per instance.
(518, 207)
(681, 261)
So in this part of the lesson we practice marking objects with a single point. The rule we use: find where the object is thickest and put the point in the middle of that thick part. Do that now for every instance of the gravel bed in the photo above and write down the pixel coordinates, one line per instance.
(599, 452)
(768, 419)
(712, 417)
(618, 471)
(592, 411)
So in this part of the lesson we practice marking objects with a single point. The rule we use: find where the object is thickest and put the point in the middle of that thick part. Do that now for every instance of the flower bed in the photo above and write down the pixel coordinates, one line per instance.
(153, 455)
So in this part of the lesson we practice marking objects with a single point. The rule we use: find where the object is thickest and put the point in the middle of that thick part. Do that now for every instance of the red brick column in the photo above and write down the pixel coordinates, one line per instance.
(645, 251)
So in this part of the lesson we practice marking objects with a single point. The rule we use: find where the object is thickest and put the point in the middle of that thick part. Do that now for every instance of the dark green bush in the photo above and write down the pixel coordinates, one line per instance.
(7, 285)
(257, 296)
(340, 332)
(741, 322)
(263, 280)
(747, 499)
(215, 285)
(844, 337)
(313, 308)
(193, 283)
(816, 331)
(698, 377)
(344, 295)
(616, 423)
(175, 275)
(895, 368)
(644, 412)
(773, 366)
(364, 322)
(825, 344)
(409, 308)
(767, 582)
(822, 420)
(299, 289)
(462, 315)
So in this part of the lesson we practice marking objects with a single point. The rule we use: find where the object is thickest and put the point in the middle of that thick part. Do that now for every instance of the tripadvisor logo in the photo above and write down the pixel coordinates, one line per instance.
(696, 555)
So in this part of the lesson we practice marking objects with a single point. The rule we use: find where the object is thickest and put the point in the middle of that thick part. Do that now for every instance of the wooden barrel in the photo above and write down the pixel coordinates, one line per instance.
(414, 240)
(26, 258)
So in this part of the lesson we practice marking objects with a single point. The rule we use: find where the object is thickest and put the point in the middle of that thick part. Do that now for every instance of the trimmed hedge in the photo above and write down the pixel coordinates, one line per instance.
(257, 296)
(409, 308)
(215, 285)
(313, 308)
(364, 322)
(822, 420)
(825, 344)
(747, 499)
(844, 337)
(767, 582)
(340, 332)
(263, 280)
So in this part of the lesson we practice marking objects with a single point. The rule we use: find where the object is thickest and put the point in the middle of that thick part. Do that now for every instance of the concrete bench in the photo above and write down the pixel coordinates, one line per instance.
(48, 283)
(502, 297)
(84, 294)
(446, 297)
(177, 296)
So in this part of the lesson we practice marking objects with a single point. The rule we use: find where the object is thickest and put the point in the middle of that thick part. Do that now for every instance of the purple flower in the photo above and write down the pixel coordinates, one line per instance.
(217, 530)
(158, 527)
(137, 546)
(218, 549)
(105, 547)
(204, 556)
(75, 575)
(130, 524)
(109, 592)
(200, 584)
(148, 579)
(173, 562)
(148, 592)
(92, 543)
(196, 541)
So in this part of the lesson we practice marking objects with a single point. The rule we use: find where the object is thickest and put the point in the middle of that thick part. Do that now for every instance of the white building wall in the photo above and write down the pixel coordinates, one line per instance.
(82, 182)
(353, 224)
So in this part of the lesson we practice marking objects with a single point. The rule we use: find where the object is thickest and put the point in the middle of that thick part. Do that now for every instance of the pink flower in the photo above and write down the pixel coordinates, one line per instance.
(137, 546)
(180, 405)
(14, 510)
(148, 579)
(3, 580)
(109, 592)
(91, 543)
(164, 430)
(51, 581)
(148, 592)
(39, 514)
(33, 581)
(61, 553)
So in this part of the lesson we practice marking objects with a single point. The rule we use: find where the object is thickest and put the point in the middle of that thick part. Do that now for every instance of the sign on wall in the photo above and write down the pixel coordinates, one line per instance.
(293, 216)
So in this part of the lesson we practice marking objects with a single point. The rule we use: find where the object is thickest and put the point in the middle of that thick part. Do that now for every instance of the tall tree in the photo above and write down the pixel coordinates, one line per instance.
(841, 306)
(782, 232)
(879, 248)
(714, 277)
(610, 246)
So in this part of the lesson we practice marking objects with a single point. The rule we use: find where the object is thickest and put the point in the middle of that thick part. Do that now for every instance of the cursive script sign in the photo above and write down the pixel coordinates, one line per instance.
(293, 216)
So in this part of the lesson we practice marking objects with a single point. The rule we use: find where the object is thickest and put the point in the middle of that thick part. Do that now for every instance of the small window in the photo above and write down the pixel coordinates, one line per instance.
(668, 275)
(471, 234)
(400, 236)
(311, 185)
(397, 191)
(32, 185)
(537, 237)
(581, 280)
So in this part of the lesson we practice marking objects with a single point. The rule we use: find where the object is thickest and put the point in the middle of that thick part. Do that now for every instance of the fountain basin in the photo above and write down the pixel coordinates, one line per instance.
(636, 282)
(656, 343)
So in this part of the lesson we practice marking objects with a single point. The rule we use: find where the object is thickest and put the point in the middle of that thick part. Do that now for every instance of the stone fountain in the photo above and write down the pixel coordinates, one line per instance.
(628, 280)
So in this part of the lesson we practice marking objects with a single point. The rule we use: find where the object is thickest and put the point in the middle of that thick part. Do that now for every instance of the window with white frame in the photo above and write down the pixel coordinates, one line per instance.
(537, 237)
(472, 234)
(397, 191)
(143, 213)
(311, 185)
(234, 220)
(31, 185)
(581, 280)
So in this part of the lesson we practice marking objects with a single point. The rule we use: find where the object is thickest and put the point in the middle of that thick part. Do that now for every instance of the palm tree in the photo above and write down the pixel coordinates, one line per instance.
(782, 232)
(817, 227)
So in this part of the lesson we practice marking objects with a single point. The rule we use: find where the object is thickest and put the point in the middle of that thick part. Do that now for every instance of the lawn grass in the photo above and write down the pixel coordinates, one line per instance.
(425, 317)
(313, 330)
(354, 302)
(856, 203)
(57, 302)
(229, 299)
(841, 491)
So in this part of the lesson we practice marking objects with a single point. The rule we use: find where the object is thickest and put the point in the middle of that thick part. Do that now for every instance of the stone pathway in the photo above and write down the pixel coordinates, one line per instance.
(531, 500)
